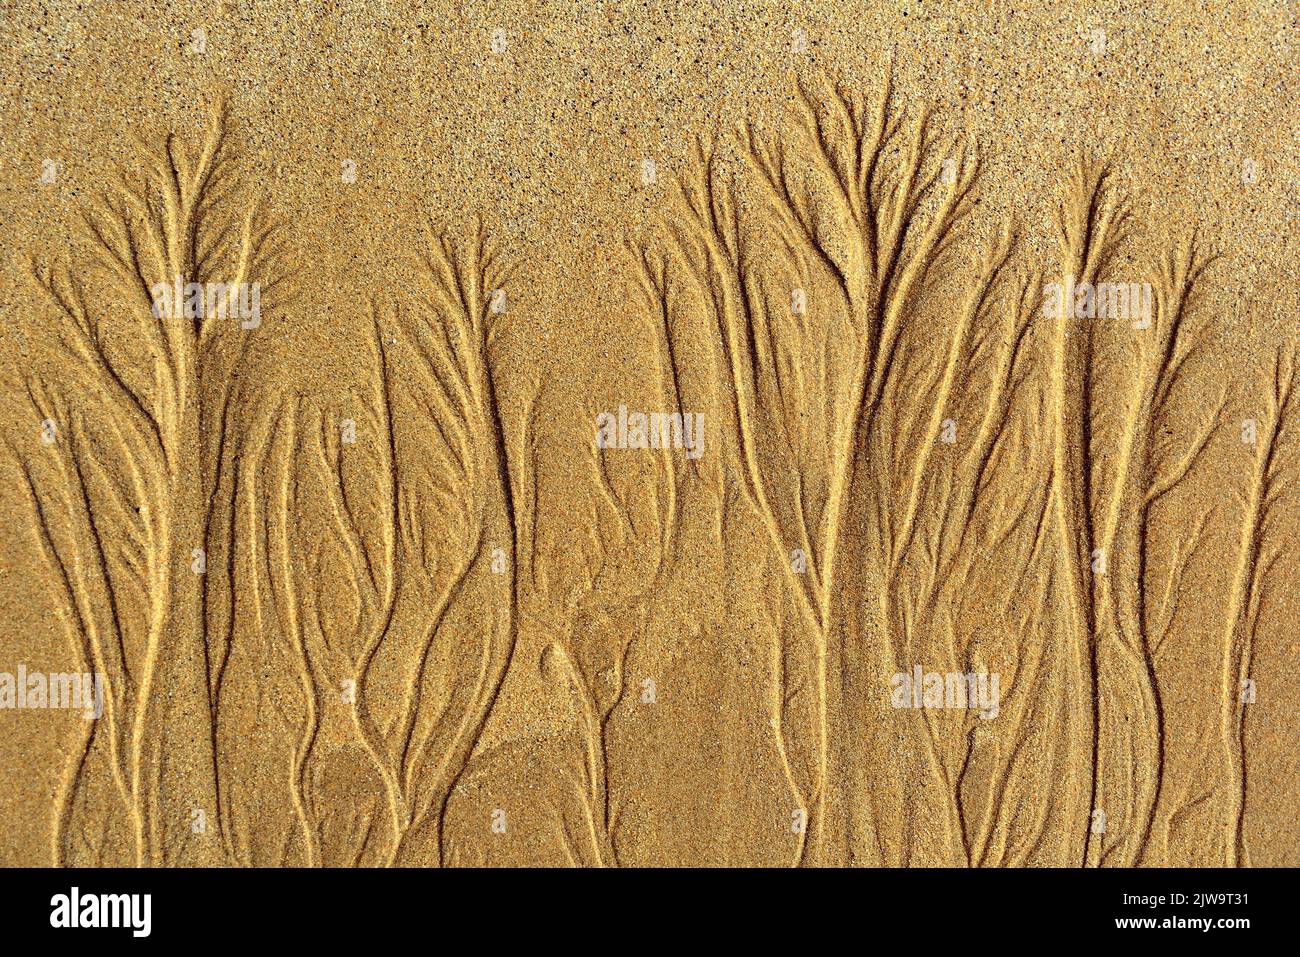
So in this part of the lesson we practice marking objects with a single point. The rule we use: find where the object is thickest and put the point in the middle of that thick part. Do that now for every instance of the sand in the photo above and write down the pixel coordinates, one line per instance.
(615, 434)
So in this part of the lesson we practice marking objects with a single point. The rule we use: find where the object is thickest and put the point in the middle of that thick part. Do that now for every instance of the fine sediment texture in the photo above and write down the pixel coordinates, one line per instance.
(503, 434)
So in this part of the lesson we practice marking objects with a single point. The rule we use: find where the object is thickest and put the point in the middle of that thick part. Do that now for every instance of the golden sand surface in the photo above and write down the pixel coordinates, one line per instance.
(620, 433)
